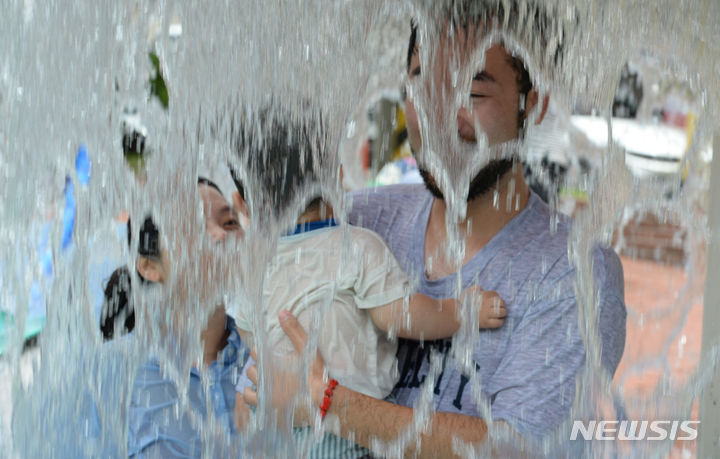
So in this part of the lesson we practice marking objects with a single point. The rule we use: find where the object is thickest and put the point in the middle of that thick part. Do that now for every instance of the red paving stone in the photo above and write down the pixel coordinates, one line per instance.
(664, 333)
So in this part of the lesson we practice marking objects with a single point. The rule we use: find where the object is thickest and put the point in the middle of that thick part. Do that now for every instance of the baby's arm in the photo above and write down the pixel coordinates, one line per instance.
(492, 310)
(431, 319)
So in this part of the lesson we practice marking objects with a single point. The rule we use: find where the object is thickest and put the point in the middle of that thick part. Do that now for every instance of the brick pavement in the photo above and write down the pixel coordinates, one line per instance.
(664, 334)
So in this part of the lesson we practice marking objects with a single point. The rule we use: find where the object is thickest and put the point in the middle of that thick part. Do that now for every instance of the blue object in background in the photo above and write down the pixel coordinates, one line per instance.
(83, 166)
(45, 252)
(37, 313)
(68, 213)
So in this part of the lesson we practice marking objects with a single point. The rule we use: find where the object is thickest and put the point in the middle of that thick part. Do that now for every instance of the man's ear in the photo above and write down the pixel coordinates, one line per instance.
(149, 269)
(240, 204)
(532, 101)
(341, 176)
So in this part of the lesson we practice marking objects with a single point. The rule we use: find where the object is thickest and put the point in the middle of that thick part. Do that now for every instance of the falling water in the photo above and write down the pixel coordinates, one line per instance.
(71, 72)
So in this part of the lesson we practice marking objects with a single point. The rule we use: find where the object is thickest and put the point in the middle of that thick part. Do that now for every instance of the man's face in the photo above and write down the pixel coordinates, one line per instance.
(494, 106)
(220, 218)
(494, 99)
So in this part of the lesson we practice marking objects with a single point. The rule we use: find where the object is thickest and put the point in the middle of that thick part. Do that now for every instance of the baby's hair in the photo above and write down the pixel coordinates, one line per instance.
(279, 149)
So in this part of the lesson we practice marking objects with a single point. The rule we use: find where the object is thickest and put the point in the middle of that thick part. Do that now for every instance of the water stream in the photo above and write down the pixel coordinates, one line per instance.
(75, 75)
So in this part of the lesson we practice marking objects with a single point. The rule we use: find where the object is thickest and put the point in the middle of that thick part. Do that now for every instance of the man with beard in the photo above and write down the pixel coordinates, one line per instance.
(514, 245)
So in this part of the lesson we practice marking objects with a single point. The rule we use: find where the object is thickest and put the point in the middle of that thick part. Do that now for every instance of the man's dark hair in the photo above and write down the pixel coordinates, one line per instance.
(210, 183)
(238, 182)
(531, 15)
(279, 150)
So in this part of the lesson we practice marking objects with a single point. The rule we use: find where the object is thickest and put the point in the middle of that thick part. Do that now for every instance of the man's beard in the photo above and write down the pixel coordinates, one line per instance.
(483, 182)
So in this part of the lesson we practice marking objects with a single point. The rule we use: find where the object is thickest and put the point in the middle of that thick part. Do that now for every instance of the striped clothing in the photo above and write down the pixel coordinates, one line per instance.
(329, 446)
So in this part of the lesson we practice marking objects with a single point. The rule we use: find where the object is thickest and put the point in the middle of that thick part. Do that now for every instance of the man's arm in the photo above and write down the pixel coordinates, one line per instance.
(360, 420)
(358, 413)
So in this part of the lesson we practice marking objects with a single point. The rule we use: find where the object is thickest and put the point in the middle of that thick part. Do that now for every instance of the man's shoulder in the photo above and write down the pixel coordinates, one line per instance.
(542, 230)
(548, 234)
(387, 195)
(388, 208)
(366, 241)
(361, 234)
(557, 223)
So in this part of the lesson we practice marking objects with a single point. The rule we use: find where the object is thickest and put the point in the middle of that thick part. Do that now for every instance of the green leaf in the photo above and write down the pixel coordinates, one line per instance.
(157, 84)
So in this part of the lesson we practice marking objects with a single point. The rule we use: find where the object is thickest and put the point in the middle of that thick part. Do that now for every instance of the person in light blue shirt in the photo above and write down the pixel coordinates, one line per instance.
(154, 430)
(159, 425)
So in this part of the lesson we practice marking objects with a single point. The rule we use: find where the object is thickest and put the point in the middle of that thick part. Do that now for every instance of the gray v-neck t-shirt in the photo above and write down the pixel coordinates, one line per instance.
(527, 368)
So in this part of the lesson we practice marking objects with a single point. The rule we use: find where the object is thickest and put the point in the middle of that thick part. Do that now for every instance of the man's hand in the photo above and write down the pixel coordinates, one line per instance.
(316, 382)
(363, 418)
(241, 414)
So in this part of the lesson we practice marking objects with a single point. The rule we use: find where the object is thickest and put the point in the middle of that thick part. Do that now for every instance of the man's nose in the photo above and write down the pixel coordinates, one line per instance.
(217, 234)
(466, 129)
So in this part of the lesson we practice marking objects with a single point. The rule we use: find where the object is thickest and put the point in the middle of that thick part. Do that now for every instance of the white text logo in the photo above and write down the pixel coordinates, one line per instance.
(635, 430)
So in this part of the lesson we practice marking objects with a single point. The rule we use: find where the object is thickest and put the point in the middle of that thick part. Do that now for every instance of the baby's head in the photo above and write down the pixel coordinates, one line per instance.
(279, 153)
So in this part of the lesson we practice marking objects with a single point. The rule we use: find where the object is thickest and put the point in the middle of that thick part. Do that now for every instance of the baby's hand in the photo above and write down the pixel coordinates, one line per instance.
(491, 308)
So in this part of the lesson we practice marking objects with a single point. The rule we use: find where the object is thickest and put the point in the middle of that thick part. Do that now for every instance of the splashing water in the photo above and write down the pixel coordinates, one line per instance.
(71, 72)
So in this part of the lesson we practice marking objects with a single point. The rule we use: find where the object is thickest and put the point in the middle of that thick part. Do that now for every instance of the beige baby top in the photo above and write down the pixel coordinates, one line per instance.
(327, 278)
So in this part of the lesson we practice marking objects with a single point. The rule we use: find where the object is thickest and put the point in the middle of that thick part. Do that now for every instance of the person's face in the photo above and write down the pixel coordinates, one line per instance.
(494, 96)
(492, 106)
(221, 219)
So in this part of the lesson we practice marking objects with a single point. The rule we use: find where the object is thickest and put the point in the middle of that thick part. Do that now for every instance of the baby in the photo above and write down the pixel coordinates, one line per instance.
(350, 272)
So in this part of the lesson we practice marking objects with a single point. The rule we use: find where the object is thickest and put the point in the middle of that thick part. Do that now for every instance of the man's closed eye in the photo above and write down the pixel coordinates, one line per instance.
(231, 225)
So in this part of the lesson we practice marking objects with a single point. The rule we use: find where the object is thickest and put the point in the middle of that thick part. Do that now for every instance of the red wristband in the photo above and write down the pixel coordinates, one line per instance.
(327, 399)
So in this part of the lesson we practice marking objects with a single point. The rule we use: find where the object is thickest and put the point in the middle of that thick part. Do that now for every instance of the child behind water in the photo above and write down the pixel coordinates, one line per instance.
(353, 272)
